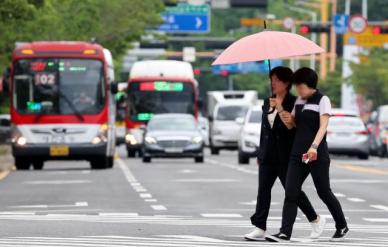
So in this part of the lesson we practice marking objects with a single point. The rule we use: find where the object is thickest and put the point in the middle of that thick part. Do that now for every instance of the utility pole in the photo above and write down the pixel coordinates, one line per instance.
(333, 38)
(324, 39)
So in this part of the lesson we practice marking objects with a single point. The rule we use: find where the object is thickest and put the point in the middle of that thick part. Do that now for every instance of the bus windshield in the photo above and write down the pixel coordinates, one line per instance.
(148, 98)
(58, 86)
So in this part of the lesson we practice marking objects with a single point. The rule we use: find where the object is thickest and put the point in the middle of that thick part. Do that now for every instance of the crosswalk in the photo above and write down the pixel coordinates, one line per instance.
(172, 241)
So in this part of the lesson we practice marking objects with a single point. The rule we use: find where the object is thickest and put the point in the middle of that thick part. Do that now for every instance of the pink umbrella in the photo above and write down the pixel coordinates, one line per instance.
(267, 45)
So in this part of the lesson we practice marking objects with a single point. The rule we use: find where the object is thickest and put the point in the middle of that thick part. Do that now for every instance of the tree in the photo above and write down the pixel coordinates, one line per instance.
(370, 78)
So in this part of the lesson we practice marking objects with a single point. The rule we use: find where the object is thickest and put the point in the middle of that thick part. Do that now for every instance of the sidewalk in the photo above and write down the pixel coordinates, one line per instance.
(6, 160)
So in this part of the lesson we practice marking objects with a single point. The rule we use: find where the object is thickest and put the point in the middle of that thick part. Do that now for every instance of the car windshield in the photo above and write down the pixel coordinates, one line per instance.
(255, 117)
(155, 97)
(58, 86)
(384, 115)
(231, 113)
(172, 124)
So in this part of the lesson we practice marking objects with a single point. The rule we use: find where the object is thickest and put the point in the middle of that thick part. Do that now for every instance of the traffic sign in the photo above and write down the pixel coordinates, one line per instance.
(357, 24)
(288, 23)
(244, 68)
(341, 23)
(186, 18)
(366, 39)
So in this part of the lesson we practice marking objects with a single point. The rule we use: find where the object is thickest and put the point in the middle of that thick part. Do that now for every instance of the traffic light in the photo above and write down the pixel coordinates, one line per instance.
(249, 3)
(380, 30)
(316, 28)
(197, 72)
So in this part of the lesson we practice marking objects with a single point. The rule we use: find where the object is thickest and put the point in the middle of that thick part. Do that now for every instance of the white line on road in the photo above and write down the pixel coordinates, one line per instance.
(77, 204)
(45, 182)
(339, 195)
(222, 215)
(356, 199)
(380, 220)
(158, 207)
(128, 174)
(381, 207)
(150, 200)
(145, 195)
(234, 167)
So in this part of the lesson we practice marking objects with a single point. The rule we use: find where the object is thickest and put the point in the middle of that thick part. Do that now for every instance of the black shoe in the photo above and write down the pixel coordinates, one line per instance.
(280, 237)
(339, 235)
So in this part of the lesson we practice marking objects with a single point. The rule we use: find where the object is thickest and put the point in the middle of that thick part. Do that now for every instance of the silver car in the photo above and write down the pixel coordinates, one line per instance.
(347, 134)
(173, 135)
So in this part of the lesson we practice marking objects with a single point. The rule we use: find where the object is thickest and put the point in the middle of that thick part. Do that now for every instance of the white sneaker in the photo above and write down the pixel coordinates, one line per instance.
(317, 228)
(256, 235)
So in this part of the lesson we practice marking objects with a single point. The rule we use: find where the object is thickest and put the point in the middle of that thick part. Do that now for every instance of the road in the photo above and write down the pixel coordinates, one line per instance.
(176, 203)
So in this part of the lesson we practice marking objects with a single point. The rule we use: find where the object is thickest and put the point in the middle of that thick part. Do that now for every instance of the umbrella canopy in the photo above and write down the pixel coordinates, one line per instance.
(267, 45)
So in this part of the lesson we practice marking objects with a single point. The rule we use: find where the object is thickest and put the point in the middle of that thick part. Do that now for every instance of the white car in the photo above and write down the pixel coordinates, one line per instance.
(249, 139)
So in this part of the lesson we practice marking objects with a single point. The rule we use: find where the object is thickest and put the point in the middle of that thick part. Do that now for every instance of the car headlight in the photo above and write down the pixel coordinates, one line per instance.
(129, 138)
(150, 140)
(250, 144)
(197, 140)
(17, 137)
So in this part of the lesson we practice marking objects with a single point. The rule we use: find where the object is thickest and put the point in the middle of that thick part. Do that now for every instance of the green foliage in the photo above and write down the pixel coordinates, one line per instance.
(371, 77)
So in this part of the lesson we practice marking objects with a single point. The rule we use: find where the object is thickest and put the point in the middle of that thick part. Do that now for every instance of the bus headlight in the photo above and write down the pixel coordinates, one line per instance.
(21, 141)
(129, 138)
(197, 140)
(101, 135)
(150, 140)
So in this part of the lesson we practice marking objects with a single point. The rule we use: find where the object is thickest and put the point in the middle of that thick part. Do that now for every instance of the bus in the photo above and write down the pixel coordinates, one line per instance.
(62, 104)
(155, 87)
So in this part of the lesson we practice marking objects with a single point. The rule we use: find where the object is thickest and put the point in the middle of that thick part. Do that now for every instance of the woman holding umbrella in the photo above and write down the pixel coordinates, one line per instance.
(309, 154)
(275, 145)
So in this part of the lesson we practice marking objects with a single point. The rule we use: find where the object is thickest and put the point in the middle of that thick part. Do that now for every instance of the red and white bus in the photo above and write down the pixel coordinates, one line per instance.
(155, 87)
(62, 105)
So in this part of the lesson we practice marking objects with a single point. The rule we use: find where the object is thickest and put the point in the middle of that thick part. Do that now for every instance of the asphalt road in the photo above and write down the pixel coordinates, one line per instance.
(177, 203)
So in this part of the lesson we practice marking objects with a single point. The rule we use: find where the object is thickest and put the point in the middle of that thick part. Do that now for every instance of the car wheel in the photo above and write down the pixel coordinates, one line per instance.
(214, 151)
(243, 159)
(22, 164)
(199, 159)
(146, 159)
(131, 153)
(363, 156)
(382, 151)
(38, 164)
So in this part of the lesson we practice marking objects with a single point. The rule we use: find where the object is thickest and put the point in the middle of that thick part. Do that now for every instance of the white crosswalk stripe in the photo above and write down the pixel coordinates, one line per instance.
(172, 241)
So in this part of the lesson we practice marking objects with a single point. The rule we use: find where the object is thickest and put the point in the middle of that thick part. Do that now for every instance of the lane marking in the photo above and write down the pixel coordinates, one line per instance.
(150, 200)
(356, 199)
(381, 207)
(77, 204)
(205, 180)
(221, 215)
(377, 220)
(362, 169)
(57, 182)
(158, 207)
(339, 195)
(145, 195)
(234, 167)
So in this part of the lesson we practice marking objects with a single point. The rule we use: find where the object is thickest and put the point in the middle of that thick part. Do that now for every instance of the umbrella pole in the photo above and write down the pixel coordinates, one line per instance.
(270, 79)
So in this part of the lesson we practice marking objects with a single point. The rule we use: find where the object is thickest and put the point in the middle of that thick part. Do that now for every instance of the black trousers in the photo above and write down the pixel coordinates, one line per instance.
(297, 174)
(268, 173)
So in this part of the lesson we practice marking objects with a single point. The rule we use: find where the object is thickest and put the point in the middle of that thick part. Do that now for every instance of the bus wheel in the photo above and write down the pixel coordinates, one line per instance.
(214, 150)
(38, 164)
(22, 164)
(110, 162)
(98, 163)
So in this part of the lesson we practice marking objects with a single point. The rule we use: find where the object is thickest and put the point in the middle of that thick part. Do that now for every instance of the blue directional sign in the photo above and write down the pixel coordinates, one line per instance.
(341, 23)
(245, 68)
(185, 18)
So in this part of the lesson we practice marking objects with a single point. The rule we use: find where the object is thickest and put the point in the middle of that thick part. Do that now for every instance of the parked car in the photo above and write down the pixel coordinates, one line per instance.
(173, 135)
(249, 139)
(5, 128)
(347, 134)
(378, 131)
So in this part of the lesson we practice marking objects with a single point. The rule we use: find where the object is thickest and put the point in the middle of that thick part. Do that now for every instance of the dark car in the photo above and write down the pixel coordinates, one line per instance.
(173, 136)
(378, 131)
